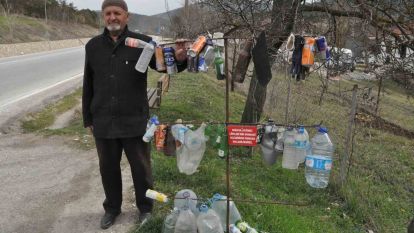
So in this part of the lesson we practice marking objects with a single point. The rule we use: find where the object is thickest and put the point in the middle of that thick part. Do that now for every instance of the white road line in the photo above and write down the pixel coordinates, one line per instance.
(36, 56)
(43, 89)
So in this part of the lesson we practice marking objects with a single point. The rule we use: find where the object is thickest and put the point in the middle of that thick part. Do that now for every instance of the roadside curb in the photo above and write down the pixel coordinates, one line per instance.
(12, 112)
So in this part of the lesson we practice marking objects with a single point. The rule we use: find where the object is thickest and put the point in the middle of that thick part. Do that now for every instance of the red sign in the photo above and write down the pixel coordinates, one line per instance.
(242, 135)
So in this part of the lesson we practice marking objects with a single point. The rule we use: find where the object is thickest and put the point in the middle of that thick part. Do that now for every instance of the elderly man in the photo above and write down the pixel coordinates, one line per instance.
(115, 109)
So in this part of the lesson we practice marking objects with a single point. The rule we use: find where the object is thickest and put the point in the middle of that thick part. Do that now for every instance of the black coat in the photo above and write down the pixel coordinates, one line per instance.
(114, 98)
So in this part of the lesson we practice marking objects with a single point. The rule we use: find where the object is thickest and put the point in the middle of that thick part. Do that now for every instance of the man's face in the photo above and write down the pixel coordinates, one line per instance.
(115, 19)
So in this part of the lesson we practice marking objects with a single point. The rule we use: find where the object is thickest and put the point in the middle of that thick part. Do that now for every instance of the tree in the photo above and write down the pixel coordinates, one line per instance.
(278, 18)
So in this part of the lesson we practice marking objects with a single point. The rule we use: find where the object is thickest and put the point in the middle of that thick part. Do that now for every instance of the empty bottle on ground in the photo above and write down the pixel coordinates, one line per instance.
(319, 162)
(208, 221)
(170, 221)
(186, 222)
(219, 205)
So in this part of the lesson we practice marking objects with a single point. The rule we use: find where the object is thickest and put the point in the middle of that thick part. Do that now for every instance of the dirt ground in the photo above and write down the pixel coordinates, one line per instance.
(48, 186)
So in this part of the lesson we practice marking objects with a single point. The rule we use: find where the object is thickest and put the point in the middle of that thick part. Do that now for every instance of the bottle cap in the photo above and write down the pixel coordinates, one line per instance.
(154, 120)
(203, 208)
(323, 130)
(217, 197)
(301, 129)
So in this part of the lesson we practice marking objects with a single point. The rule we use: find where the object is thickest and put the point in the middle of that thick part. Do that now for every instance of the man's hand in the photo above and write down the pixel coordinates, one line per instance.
(180, 50)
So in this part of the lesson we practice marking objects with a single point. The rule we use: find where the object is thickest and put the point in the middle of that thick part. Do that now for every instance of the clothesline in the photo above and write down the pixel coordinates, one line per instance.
(247, 201)
(237, 123)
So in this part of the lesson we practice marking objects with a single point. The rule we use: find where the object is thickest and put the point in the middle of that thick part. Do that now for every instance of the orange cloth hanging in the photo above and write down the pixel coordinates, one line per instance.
(308, 52)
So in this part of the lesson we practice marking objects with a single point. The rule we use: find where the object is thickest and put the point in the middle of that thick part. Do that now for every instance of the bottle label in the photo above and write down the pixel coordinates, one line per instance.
(300, 144)
(319, 163)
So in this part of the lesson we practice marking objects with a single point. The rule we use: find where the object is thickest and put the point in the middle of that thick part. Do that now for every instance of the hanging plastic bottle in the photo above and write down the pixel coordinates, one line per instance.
(151, 130)
(322, 47)
(219, 63)
(308, 52)
(208, 53)
(145, 58)
(301, 144)
(319, 163)
(186, 198)
(224, 145)
(186, 222)
(170, 221)
(268, 143)
(219, 205)
(220, 129)
(208, 221)
(289, 160)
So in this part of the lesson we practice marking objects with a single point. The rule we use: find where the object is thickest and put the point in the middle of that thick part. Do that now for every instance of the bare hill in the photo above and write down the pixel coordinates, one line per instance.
(28, 29)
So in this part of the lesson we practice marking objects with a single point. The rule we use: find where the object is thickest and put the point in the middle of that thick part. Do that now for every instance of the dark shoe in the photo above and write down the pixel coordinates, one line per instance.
(108, 220)
(144, 218)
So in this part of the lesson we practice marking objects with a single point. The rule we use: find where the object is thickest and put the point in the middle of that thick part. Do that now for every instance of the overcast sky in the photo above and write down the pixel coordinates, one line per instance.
(144, 7)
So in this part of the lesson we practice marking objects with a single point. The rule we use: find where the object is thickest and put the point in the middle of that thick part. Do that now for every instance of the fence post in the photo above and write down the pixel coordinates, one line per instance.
(348, 142)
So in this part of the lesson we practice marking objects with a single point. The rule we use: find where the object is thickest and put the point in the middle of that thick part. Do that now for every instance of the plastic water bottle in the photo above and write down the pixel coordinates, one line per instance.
(170, 221)
(151, 130)
(208, 221)
(289, 160)
(319, 163)
(269, 152)
(186, 222)
(219, 205)
(145, 58)
(301, 144)
(186, 198)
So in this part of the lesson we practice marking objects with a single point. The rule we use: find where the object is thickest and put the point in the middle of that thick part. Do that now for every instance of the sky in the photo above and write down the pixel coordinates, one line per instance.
(143, 7)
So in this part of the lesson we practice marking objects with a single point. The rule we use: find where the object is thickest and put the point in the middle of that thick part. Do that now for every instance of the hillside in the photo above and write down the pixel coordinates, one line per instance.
(147, 24)
(28, 29)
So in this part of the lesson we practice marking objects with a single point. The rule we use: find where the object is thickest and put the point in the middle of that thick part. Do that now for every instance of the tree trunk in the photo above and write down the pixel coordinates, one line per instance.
(256, 97)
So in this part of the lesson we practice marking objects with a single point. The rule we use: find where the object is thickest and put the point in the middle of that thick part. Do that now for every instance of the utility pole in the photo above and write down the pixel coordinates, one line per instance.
(46, 11)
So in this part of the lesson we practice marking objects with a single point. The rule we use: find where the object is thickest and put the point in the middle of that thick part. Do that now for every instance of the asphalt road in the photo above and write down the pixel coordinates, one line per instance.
(23, 76)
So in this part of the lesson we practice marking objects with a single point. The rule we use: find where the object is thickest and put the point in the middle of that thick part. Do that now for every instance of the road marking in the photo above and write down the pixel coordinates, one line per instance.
(41, 90)
(35, 56)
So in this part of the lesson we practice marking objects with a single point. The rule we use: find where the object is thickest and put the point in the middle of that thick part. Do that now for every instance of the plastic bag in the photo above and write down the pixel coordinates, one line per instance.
(191, 152)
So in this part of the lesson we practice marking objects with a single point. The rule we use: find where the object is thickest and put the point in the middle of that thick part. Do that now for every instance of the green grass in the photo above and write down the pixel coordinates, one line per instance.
(200, 97)
(379, 193)
(46, 117)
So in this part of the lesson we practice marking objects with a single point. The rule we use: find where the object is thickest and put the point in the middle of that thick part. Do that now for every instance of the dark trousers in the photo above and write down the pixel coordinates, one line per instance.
(138, 154)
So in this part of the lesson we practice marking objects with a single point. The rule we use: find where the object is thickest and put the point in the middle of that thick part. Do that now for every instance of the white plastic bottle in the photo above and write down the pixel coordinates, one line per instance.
(319, 163)
(186, 198)
(289, 160)
(301, 144)
(208, 221)
(186, 222)
(219, 205)
(145, 58)
(170, 221)
(151, 130)
(234, 229)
